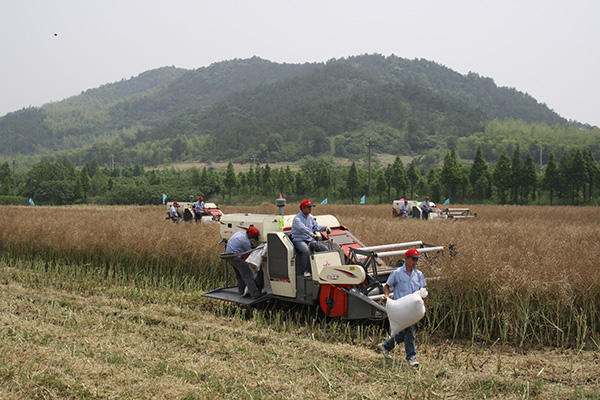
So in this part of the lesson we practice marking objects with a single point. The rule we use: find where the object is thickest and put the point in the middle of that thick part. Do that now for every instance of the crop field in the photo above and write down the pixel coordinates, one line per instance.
(105, 302)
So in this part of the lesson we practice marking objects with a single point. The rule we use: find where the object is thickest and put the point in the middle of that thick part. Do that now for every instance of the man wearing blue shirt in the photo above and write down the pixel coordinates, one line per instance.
(404, 210)
(199, 209)
(426, 206)
(174, 212)
(239, 243)
(405, 280)
(304, 228)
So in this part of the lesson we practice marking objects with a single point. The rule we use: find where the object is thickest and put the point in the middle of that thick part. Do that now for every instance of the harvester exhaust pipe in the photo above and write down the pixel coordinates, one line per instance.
(280, 203)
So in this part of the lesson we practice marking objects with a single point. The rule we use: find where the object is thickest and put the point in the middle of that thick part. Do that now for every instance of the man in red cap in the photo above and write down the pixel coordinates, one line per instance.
(240, 244)
(426, 207)
(199, 209)
(405, 280)
(174, 212)
(304, 228)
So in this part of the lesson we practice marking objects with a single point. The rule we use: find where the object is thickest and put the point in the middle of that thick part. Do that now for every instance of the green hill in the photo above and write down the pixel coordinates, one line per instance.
(237, 108)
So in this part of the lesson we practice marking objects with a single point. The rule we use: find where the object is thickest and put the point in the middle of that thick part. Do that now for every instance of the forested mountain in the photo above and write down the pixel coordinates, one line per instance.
(254, 107)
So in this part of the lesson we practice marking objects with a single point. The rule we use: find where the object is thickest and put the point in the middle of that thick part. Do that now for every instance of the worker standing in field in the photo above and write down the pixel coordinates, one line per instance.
(174, 212)
(404, 281)
(304, 228)
(240, 242)
(426, 208)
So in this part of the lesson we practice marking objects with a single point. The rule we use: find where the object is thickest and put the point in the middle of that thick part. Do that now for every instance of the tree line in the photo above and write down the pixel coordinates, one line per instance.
(514, 178)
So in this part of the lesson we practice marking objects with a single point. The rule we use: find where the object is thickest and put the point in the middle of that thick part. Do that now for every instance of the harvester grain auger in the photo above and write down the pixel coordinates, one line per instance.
(458, 213)
(346, 279)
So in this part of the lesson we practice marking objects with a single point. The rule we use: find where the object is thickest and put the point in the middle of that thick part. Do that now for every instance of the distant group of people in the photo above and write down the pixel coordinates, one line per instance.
(425, 209)
(199, 211)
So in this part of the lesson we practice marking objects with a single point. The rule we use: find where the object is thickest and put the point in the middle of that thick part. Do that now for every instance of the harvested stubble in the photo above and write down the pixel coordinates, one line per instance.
(521, 274)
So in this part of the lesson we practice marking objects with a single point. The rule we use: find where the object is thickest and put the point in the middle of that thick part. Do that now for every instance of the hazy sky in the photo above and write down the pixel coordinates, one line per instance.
(549, 49)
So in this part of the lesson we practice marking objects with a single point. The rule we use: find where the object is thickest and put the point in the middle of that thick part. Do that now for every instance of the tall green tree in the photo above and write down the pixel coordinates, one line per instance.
(86, 182)
(413, 175)
(593, 172)
(502, 177)
(230, 180)
(352, 181)
(398, 177)
(551, 178)
(530, 178)
(479, 169)
(251, 179)
(516, 174)
(451, 174)
(6, 180)
(574, 174)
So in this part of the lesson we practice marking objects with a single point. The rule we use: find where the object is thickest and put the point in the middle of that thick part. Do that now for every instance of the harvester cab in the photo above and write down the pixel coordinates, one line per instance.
(346, 279)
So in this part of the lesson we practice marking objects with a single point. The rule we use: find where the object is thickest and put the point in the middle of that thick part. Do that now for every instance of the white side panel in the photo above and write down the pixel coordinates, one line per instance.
(286, 288)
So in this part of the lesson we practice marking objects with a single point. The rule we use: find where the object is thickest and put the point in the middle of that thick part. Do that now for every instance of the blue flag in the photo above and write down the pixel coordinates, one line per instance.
(362, 199)
(324, 201)
(31, 201)
(447, 201)
(164, 198)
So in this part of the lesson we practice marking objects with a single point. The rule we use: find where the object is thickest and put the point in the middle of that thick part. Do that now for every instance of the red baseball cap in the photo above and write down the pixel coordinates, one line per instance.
(411, 253)
(175, 203)
(306, 203)
(426, 197)
(252, 232)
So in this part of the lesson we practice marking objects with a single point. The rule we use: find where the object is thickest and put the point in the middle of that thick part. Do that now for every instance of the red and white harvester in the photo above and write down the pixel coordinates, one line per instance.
(346, 281)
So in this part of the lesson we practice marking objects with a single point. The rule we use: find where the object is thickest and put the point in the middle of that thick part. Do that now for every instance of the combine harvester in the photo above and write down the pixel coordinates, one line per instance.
(415, 211)
(347, 280)
(187, 211)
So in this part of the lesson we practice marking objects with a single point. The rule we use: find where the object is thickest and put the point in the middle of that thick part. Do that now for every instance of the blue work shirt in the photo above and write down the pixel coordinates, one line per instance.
(303, 226)
(199, 206)
(239, 242)
(405, 284)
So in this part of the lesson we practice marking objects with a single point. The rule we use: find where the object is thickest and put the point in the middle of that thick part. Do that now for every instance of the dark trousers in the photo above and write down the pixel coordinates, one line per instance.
(243, 275)
(408, 337)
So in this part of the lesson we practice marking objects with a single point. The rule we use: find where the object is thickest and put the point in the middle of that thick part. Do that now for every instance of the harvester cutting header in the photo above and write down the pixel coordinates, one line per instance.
(343, 276)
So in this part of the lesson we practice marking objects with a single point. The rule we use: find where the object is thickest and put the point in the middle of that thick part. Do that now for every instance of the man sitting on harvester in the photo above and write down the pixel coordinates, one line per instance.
(304, 234)
(200, 209)
(174, 212)
(403, 213)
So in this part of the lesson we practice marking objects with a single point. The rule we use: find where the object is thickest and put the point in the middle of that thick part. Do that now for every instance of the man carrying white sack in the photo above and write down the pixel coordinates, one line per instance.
(405, 281)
